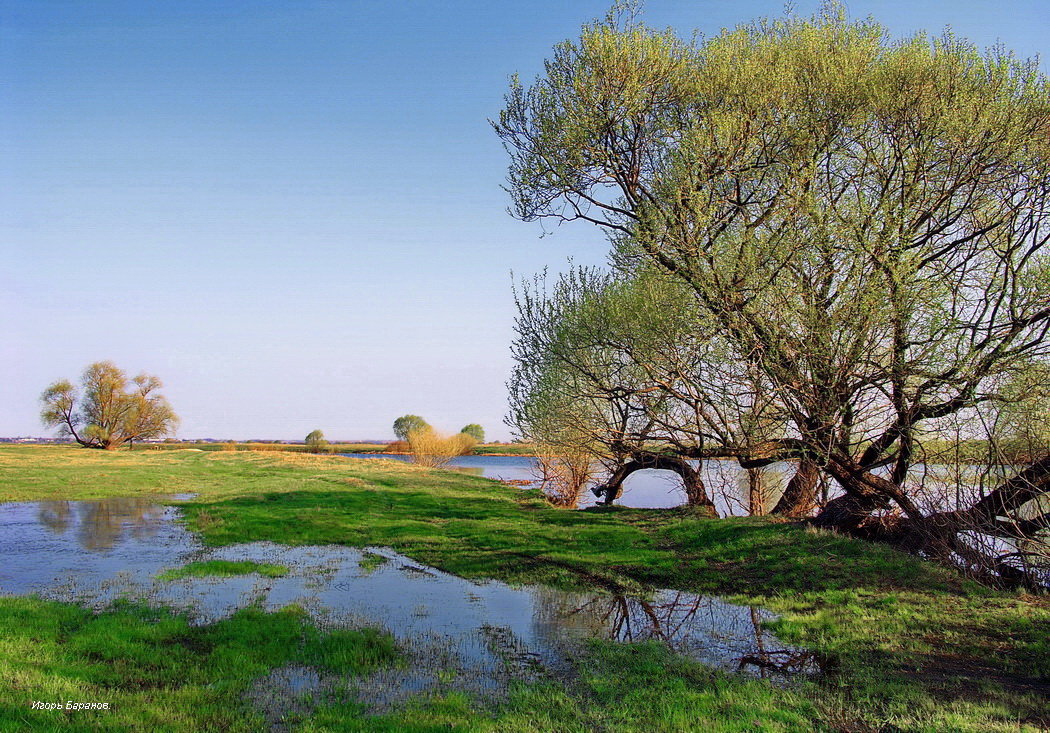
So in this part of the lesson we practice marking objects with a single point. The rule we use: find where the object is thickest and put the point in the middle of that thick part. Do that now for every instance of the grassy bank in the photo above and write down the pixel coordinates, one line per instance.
(904, 643)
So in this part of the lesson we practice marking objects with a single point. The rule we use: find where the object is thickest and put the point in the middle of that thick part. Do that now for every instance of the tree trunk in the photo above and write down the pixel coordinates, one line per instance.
(756, 499)
(800, 496)
(941, 536)
(865, 493)
(848, 512)
(696, 493)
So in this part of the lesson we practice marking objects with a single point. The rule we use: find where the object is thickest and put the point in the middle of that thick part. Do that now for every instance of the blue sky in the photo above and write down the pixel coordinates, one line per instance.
(291, 212)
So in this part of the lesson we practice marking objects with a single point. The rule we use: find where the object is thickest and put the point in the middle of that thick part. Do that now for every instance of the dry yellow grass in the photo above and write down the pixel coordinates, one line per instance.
(432, 449)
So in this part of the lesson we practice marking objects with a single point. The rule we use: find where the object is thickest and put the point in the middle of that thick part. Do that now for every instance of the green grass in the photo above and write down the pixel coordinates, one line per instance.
(155, 670)
(223, 568)
(640, 687)
(371, 562)
(906, 643)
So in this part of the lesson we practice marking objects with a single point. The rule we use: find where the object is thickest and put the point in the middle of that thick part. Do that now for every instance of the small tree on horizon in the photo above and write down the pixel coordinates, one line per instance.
(407, 424)
(475, 431)
(315, 441)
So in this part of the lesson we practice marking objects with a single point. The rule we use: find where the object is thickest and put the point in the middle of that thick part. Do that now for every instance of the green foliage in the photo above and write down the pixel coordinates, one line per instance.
(605, 362)
(59, 402)
(475, 431)
(856, 227)
(315, 441)
(408, 424)
(111, 411)
(1020, 424)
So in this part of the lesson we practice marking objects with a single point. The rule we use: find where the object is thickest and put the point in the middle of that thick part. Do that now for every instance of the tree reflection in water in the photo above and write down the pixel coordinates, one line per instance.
(94, 552)
(100, 525)
(55, 515)
(702, 627)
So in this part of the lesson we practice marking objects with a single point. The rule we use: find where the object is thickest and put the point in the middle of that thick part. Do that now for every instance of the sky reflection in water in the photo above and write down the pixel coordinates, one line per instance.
(92, 552)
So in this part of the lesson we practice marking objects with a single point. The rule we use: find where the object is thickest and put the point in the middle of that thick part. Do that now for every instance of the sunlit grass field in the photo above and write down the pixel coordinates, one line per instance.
(904, 643)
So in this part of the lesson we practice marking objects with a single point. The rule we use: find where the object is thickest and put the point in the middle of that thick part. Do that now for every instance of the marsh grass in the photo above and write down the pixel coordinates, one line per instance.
(637, 687)
(905, 643)
(223, 568)
(370, 562)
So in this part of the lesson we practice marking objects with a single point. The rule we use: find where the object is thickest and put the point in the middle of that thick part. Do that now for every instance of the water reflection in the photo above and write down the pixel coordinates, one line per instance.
(76, 547)
(481, 634)
(704, 628)
(727, 484)
(99, 525)
(56, 515)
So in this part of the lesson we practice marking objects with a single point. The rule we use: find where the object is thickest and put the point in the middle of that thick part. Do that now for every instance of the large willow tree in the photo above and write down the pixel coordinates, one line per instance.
(110, 410)
(608, 365)
(864, 220)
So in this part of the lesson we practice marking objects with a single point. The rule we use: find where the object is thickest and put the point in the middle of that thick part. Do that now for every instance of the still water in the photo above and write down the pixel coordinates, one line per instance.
(488, 632)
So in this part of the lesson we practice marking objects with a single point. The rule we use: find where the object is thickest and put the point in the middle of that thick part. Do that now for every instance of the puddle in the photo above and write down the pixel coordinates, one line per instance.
(475, 636)
(287, 692)
(84, 550)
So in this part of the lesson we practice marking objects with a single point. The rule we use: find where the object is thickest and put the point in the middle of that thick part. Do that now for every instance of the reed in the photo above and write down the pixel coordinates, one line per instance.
(430, 448)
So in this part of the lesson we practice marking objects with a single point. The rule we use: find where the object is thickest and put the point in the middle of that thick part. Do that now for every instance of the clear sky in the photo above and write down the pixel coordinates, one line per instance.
(291, 211)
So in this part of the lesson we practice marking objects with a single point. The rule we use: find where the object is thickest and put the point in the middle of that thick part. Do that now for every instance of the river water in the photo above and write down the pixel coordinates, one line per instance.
(726, 482)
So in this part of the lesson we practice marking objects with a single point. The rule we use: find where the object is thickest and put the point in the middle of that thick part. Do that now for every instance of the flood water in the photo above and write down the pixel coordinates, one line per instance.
(487, 632)
(649, 489)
